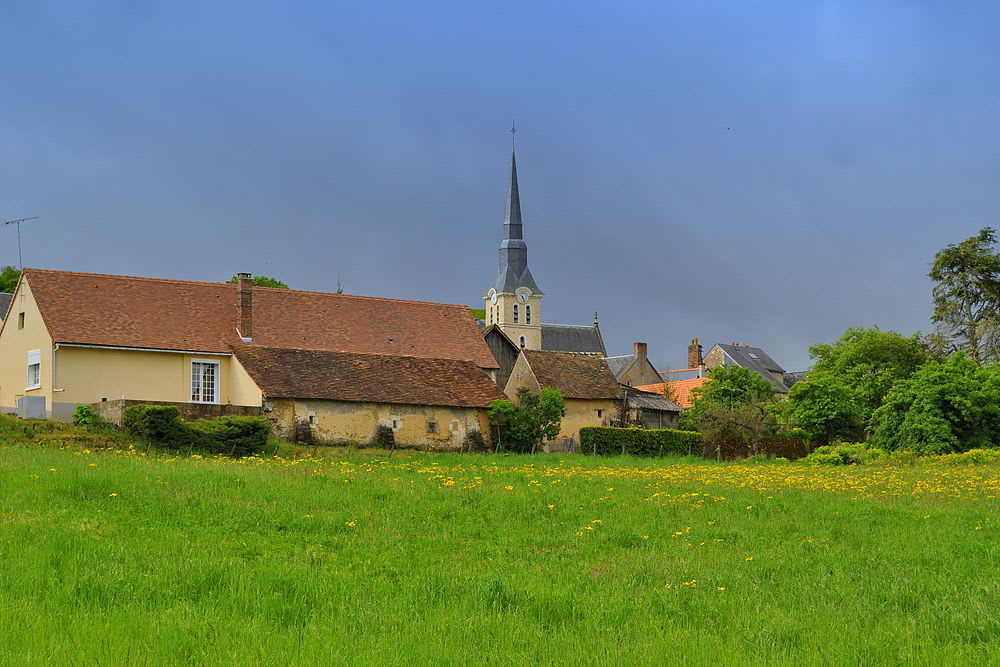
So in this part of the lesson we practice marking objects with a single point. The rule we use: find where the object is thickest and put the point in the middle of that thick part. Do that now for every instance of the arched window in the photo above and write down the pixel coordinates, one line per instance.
(522, 337)
(515, 313)
(527, 314)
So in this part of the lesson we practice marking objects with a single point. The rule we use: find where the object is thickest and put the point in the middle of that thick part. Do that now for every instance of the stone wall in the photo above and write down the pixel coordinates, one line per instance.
(112, 410)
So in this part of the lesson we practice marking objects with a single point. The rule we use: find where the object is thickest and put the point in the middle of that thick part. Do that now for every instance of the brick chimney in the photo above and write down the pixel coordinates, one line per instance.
(694, 354)
(244, 306)
(639, 350)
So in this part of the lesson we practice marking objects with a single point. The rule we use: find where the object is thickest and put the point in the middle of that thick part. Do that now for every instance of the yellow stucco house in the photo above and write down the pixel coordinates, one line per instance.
(73, 338)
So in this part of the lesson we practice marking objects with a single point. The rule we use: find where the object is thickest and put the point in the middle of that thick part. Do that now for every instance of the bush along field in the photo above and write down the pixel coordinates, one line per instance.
(118, 557)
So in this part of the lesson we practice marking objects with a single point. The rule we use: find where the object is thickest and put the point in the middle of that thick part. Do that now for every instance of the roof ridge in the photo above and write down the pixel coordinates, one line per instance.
(227, 284)
(254, 346)
(573, 326)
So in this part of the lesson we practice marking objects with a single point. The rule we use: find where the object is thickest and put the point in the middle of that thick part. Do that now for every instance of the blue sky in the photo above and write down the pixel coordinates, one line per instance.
(764, 172)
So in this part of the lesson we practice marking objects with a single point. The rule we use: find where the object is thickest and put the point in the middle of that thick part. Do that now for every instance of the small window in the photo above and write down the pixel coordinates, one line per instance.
(34, 369)
(432, 426)
(563, 412)
(522, 342)
(527, 314)
(20, 320)
(515, 314)
(600, 413)
(204, 381)
(395, 424)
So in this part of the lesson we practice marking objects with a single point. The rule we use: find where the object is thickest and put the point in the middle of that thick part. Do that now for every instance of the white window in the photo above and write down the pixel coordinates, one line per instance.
(204, 381)
(527, 314)
(522, 341)
(34, 369)
(515, 313)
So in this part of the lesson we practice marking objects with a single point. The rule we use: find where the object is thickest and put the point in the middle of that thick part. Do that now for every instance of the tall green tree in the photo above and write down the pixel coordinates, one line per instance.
(948, 406)
(850, 379)
(8, 278)
(735, 402)
(262, 281)
(967, 297)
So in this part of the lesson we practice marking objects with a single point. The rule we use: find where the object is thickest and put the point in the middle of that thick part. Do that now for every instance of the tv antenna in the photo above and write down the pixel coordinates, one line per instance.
(18, 223)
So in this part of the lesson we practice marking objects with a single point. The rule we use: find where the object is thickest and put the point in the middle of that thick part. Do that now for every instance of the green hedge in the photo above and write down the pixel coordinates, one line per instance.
(606, 440)
(161, 425)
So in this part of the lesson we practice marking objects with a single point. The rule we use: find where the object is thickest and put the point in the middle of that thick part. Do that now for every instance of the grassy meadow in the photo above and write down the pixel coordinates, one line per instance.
(123, 558)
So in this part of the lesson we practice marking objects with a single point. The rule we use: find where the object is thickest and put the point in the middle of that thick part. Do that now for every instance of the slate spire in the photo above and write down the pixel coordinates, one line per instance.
(513, 271)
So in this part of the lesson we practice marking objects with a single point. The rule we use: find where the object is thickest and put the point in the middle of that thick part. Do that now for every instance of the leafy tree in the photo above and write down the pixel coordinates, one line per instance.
(8, 278)
(534, 418)
(730, 386)
(261, 281)
(948, 406)
(967, 297)
(735, 401)
(749, 420)
(851, 379)
(825, 408)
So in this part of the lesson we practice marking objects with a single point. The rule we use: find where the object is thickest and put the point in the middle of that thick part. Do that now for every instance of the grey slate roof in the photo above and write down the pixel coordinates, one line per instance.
(756, 360)
(513, 271)
(793, 377)
(572, 338)
(5, 300)
(619, 365)
(647, 400)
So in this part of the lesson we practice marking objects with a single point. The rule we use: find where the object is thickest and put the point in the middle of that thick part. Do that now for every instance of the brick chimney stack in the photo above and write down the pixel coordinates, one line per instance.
(639, 350)
(694, 354)
(244, 306)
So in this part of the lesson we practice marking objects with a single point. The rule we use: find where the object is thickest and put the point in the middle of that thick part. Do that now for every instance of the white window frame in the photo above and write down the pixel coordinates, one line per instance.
(218, 377)
(34, 361)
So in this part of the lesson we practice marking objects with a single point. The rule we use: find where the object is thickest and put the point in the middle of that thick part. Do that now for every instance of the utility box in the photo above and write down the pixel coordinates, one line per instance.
(31, 407)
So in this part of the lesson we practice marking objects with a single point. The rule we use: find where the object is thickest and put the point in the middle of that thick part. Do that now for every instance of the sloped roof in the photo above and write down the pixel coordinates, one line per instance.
(756, 360)
(572, 338)
(619, 365)
(681, 389)
(648, 400)
(374, 378)
(5, 299)
(126, 311)
(576, 375)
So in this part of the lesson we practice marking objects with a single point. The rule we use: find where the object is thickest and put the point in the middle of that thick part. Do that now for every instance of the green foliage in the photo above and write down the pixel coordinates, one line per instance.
(735, 402)
(8, 278)
(944, 407)
(843, 454)
(161, 425)
(731, 386)
(261, 281)
(232, 436)
(967, 297)
(534, 419)
(605, 440)
(971, 457)
(825, 409)
(85, 415)
(478, 313)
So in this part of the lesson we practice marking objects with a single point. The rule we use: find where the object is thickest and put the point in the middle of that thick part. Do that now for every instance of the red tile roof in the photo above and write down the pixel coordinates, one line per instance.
(375, 378)
(575, 374)
(126, 311)
(680, 390)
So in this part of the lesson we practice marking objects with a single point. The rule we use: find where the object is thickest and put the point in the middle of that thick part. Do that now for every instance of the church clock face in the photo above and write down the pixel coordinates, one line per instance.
(522, 297)
(493, 296)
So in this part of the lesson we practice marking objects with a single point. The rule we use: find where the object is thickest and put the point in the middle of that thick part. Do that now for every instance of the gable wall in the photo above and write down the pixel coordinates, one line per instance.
(640, 373)
(14, 346)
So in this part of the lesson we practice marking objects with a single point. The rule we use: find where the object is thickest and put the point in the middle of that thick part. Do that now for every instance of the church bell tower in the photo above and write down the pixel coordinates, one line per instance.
(513, 301)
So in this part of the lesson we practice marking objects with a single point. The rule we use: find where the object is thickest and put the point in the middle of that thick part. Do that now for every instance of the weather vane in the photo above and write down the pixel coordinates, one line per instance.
(513, 131)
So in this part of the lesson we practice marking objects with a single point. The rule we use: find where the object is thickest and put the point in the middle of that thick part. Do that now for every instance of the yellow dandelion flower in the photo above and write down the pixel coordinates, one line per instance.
(550, 506)
(307, 516)
(645, 537)
(112, 495)
(350, 523)
(720, 588)
(749, 558)
(509, 488)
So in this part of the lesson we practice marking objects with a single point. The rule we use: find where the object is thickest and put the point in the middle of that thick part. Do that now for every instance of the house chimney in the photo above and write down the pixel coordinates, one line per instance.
(244, 306)
(694, 354)
(639, 349)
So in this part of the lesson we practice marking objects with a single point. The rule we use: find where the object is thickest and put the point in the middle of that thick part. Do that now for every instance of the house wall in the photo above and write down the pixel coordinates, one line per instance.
(640, 373)
(715, 357)
(583, 412)
(343, 422)
(505, 355)
(14, 345)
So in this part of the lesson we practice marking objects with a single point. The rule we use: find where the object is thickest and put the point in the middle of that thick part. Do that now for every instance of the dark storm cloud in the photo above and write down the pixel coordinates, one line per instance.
(770, 173)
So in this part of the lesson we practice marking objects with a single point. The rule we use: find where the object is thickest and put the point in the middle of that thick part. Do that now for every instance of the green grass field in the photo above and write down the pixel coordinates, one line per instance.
(122, 559)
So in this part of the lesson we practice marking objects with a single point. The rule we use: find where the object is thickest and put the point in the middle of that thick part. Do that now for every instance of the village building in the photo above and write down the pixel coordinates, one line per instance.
(754, 358)
(634, 369)
(592, 395)
(650, 409)
(5, 299)
(514, 300)
(111, 340)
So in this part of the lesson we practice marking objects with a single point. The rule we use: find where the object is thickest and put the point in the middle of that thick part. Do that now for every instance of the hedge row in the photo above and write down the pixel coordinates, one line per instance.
(607, 440)
(161, 425)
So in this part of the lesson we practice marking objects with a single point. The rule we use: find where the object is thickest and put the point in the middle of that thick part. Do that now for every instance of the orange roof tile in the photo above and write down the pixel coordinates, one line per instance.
(680, 389)
(126, 311)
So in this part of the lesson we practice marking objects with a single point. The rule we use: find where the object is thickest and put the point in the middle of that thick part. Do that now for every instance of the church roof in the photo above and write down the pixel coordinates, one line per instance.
(513, 271)
(572, 338)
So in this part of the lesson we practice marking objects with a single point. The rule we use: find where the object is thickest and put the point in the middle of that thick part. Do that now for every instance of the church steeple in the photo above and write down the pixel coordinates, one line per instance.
(513, 271)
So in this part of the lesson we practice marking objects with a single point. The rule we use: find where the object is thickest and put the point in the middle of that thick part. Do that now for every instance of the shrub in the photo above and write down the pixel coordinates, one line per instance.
(157, 424)
(87, 416)
(474, 441)
(972, 456)
(233, 436)
(606, 440)
(844, 454)
(384, 437)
